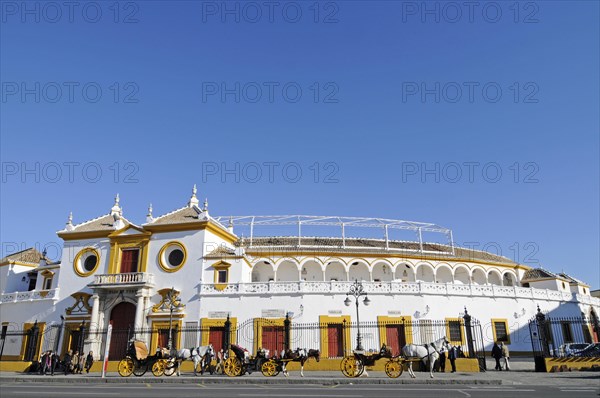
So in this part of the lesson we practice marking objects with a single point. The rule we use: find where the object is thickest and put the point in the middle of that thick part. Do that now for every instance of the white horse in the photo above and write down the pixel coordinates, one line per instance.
(197, 354)
(428, 352)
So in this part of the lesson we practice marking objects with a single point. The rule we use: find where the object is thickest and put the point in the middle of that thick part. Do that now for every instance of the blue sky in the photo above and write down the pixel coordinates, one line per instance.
(485, 120)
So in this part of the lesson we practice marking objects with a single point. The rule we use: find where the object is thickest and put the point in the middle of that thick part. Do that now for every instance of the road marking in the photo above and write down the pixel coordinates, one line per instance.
(299, 395)
(466, 393)
(201, 385)
(148, 385)
(69, 393)
(592, 391)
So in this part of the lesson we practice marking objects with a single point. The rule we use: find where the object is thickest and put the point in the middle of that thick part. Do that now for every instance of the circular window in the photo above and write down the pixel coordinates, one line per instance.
(86, 261)
(172, 256)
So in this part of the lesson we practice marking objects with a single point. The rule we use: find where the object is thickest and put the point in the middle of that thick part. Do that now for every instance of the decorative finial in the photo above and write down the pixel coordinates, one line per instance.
(193, 200)
(69, 226)
(116, 209)
(149, 217)
(230, 225)
(205, 208)
(44, 252)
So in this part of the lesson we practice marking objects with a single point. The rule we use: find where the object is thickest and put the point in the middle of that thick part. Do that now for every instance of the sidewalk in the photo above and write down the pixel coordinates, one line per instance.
(328, 378)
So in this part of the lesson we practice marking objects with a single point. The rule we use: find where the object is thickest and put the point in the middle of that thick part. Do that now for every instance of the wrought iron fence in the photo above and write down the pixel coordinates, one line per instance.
(553, 337)
(335, 338)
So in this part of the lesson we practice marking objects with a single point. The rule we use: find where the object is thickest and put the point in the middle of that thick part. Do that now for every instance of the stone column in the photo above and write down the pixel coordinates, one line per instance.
(93, 342)
(139, 313)
(95, 313)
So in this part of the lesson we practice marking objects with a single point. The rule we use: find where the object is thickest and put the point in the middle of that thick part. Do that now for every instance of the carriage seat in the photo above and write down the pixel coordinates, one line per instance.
(141, 350)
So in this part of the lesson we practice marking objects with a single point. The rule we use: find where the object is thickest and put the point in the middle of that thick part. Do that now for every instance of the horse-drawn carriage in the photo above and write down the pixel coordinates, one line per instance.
(241, 362)
(137, 360)
(274, 366)
(354, 365)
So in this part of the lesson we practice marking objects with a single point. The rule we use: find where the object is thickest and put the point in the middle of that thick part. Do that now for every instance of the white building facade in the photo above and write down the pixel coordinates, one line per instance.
(115, 272)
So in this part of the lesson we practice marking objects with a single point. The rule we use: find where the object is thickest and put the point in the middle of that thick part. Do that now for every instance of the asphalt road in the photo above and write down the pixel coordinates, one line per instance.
(20, 390)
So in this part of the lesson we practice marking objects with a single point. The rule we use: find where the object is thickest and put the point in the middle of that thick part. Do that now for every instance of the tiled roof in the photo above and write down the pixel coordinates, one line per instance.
(221, 252)
(376, 245)
(102, 223)
(180, 216)
(571, 279)
(539, 273)
(30, 255)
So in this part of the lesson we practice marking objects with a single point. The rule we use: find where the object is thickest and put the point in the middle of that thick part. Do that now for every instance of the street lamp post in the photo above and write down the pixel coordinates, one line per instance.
(357, 291)
(174, 303)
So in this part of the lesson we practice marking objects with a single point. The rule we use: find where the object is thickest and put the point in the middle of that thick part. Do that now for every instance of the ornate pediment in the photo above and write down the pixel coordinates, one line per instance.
(169, 300)
(81, 305)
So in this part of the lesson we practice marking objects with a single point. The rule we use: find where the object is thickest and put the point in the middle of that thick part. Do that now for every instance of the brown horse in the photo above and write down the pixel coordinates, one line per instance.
(299, 355)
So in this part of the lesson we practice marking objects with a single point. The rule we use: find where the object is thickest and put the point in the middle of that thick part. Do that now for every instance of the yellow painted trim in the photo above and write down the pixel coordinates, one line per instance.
(24, 264)
(163, 297)
(555, 364)
(72, 324)
(207, 323)
(462, 333)
(383, 321)
(291, 254)
(166, 267)
(194, 226)
(220, 266)
(325, 320)
(117, 233)
(128, 242)
(156, 325)
(83, 235)
(84, 298)
(27, 326)
(258, 325)
(78, 257)
(165, 316)
(505, 321)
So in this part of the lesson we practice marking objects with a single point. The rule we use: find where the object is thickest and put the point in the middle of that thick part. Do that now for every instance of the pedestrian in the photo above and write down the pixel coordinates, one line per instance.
(452, 358)
(75, 362)
(497, 354)
(55, 359)
(67, 362)
(505, 355)
(81, 363)
(89, 361)
(443, 360)
(45, 362)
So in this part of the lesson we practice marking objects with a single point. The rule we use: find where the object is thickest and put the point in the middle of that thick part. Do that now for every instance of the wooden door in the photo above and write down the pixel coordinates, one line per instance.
(272, 339)
(216, 337)
(395, 338)
(335, 340)
(122, 319)
(129, 260)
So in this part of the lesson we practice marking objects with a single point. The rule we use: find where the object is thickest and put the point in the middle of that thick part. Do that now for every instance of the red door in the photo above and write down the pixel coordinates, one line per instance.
(122, 319)
(129, 260)
(272, 339)
(335, 340)
(215, 337)
(396, 338)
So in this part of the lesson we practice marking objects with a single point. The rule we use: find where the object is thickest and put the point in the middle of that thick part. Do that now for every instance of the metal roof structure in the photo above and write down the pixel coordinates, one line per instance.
(340, 222)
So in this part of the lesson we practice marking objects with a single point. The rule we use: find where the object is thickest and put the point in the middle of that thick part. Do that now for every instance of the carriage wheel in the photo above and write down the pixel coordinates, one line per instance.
(233, 367)
(269, 368)
(170, 367)
(394, 368)
(140, 368)
(351, 367)
(158, 369)
(125, 367)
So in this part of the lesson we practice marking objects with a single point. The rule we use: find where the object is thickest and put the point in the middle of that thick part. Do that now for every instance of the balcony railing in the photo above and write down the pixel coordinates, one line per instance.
(414, 288)
(33, 295)
(132, 278)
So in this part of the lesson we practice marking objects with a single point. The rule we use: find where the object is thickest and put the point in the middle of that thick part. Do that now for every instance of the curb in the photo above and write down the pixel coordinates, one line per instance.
(242, 380)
